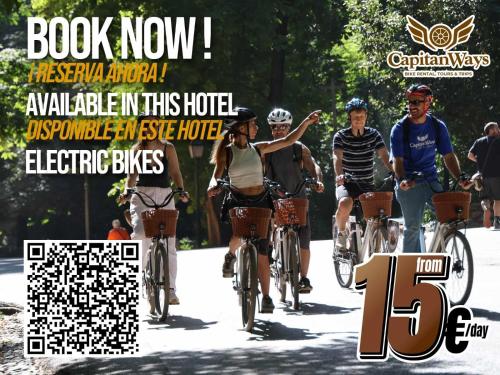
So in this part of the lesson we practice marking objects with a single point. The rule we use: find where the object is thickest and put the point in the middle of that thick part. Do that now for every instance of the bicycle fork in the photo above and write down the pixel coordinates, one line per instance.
(437, 241)
(363, 245)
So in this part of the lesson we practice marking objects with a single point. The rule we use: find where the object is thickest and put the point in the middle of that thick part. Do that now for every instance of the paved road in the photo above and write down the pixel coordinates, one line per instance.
(204, 334)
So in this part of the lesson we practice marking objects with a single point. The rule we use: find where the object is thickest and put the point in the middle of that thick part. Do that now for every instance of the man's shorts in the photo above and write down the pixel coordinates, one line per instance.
(492, 187)
(352, 190)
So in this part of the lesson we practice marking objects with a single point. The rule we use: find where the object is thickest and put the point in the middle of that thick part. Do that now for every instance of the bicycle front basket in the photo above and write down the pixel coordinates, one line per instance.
(152, 220)
(244, 218)
(373, 203)
(291, 211)
(453, 205)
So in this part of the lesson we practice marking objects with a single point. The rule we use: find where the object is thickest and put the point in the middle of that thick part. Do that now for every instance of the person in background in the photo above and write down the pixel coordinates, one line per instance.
(117, 232)
(486, 153)
(157, 186)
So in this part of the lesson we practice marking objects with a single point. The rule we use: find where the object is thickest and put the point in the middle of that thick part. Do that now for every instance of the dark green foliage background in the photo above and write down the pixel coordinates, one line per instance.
(301, 55)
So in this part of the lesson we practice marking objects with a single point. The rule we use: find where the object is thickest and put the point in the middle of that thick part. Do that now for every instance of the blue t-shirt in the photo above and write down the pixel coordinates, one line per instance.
(420, 154)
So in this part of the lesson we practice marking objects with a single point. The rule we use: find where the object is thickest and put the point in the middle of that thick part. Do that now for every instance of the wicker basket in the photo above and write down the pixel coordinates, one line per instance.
(372, 203)
(448, 204)
(291, 211)
(153, 218)
(242, 218)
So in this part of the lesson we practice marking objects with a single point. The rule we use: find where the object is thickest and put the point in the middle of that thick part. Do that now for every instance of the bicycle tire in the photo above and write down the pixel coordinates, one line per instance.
(344, 264)
(459, 284)
(294, 267)
(280, 275)
(161, 282)
(248, 279)
(148, 281)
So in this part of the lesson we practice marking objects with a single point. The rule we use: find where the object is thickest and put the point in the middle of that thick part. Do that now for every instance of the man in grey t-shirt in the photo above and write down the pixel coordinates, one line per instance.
(286, 167)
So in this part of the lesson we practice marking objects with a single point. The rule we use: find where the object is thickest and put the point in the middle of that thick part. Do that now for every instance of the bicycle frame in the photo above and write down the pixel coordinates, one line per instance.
(150, 275)
(283, 254)
(362, 241)
(437, 241)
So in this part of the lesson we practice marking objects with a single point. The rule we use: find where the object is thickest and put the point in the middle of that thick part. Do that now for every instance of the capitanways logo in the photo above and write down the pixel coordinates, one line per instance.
(439, 37)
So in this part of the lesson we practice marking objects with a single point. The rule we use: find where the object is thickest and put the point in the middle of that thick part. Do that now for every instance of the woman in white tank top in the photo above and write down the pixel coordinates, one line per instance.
(242, 160)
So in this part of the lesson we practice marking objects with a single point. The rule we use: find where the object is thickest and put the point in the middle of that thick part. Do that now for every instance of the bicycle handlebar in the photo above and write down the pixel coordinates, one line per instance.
(142, 195)
(277, 191)
(411, 177)
(350, 178)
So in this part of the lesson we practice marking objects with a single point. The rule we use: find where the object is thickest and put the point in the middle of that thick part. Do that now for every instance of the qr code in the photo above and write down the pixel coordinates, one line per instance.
(82, 298)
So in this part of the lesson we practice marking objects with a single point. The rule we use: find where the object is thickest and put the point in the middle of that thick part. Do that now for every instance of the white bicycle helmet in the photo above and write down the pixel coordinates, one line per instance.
(279, 116)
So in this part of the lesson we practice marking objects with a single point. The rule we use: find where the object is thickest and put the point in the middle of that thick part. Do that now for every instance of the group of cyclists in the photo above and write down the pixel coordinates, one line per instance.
(414, 141)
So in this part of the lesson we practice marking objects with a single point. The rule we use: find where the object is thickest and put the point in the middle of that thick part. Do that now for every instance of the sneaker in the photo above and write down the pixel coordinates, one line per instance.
(497, 222)
(267, 306)
(305, 285)
(172, 297)
(228, 266)
(341, 244)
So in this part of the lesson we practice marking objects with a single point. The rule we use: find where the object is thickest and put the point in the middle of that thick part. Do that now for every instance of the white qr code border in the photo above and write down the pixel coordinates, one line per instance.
(35, 251)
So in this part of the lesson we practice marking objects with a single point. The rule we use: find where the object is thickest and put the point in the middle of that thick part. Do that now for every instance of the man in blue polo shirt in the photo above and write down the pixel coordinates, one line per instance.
(414, 142)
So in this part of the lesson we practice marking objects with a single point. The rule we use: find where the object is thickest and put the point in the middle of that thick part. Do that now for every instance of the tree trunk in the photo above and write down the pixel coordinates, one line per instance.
(278, 62)
(334, 102)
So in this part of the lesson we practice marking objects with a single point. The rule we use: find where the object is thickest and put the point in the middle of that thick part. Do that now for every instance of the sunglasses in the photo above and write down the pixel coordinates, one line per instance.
(416, 102)
(279, 126)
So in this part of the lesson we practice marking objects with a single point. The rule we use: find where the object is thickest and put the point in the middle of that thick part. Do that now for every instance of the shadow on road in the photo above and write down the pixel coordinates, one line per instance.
(11, 265)
(178, 321)
(311, 308)
(337, 356)
(271, 331)
(487, 314)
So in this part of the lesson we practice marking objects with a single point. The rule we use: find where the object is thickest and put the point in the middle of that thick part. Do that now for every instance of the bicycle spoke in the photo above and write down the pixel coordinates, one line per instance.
(459, 284)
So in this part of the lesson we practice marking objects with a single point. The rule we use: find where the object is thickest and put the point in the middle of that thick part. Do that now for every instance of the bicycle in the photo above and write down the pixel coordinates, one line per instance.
(250, 224)
(370, 230)
(159, 224)
(290, 215)
(452, 212)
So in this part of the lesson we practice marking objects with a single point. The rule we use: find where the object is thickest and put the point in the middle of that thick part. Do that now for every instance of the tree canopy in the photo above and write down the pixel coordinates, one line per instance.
(300, 55)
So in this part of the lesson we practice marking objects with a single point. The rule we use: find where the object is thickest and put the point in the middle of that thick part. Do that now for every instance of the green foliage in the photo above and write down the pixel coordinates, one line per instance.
(186, 244)
(331, 51)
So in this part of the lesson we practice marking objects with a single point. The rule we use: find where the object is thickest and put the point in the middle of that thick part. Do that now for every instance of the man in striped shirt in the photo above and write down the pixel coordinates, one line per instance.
(353, 153)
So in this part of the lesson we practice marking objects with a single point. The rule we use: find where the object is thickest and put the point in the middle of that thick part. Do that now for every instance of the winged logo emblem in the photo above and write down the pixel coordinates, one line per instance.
(440, 36)
(422, 138)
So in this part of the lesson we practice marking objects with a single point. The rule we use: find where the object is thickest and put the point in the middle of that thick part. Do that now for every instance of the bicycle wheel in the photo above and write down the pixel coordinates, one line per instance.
(280, 275)
(294, 266)
(459, 284)
(148, 281)
(248, 285)
(344, 263)
(161, 281)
